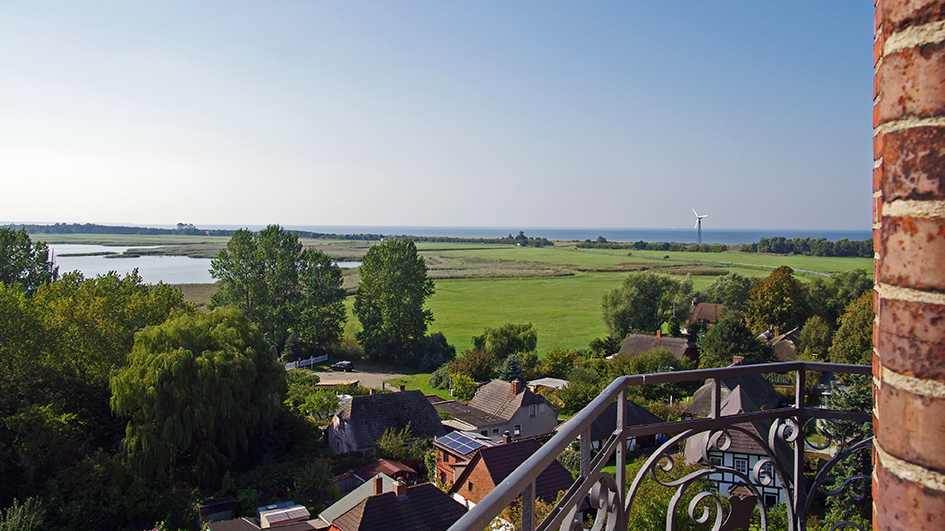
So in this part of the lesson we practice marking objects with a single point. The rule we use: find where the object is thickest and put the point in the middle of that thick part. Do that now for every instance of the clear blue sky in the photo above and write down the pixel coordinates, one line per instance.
(531, 114)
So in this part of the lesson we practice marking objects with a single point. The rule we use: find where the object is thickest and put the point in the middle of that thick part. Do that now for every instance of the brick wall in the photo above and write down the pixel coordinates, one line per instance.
(909, 240)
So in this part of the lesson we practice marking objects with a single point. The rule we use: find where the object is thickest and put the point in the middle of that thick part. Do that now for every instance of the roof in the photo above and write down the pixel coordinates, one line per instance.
(425, 508)
(468, 414)
(785, 345)
(737, 402)
(243, 524)
(462, 443)
(496, 398)
(755, 386)
(502, 459)
(554, 383)
(371, 415)
(605, 423)
(704, 311)
(275, 517)
(355, 496)
(640, 343)
(383, 466)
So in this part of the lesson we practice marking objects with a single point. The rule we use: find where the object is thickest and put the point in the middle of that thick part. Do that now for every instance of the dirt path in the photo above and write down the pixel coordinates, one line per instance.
(367, 375)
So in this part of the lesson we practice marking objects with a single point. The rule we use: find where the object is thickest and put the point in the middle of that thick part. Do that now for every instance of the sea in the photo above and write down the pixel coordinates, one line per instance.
(186, 270)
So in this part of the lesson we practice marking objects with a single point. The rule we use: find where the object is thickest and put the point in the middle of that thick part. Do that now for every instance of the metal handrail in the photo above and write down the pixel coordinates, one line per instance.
(522, 480)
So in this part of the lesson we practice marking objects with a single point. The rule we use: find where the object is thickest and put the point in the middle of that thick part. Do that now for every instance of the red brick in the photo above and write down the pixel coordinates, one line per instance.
(876, 121)
(903, 505)
(912, 83)
(910, 338)
(900, 14)
(878, 178)
(877, 17)
(914, 427)
(879, 145)
(914, 164)
(877, 84)
(877, 242)
(913, 253)
(877, 208)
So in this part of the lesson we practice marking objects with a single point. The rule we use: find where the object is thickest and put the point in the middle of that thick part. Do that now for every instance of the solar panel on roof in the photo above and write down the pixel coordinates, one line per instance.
(459, 442)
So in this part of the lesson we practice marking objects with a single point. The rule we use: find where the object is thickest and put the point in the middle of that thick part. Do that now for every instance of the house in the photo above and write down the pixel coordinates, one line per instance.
(742, 453)
(785, 345)
(377, 484)
(500, 407)
(761, 392)
(363, 420)
(388, 467)
(453, 452)
(419, 508)
(546, 384)
(679, 346)
(705, 313)
(605, 424)
(217, 509)
(490, 465)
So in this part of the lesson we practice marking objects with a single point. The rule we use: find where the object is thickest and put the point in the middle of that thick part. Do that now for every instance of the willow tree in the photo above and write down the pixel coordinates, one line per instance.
(199, 391)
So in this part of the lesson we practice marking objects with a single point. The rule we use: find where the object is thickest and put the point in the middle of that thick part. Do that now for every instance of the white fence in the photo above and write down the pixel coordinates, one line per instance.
(305, 363)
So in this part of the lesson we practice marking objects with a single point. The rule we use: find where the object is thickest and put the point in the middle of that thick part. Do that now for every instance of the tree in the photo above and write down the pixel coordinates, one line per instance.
(583, 386)
(558, 363)
(777, 301)
(321, 404)
(281, 287)
(23, 517)
(198, 393)
(508, 339)
(511, 369)
(853, 342)
(389, 303)
(815, 338)
(829, 296)
(478, 365)
(432, 351)
(23, 263)
(728, 338)
(643, 302)
(657, 360)
(731, 291)
(463, 387)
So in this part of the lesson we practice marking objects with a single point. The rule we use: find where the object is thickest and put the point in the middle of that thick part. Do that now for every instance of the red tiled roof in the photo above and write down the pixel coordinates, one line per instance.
(425, 508)
(502, 459)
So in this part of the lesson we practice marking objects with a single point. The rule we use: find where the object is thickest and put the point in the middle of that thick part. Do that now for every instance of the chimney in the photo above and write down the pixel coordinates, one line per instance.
(378, 485)
(737, 360)
(516, 387)
(659, 334)
(403, 388)
(372, 391)
(400, 488)
(506, 437)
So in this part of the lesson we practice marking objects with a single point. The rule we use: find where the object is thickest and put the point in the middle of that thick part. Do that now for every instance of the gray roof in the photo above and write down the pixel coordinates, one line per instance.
(760, 391)
(424, 508)
(605, 424)
(496, 398)
(354, 497)
(470, 415)
(371, 415)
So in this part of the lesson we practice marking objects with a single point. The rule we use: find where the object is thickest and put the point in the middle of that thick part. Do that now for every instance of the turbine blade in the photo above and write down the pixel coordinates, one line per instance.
(696, 226)
(694, 212)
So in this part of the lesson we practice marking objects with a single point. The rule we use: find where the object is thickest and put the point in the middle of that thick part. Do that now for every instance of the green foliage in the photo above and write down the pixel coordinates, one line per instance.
(853, 342)
(603, 347)
(198, 391)
(558, 363)
(300, 384)
(24, 264)
(728, 338)
(651, 503)
(508, 339)
(671, 327)
(511, 369)
(390, 299)
(23, 517)
(477, 365)
(732, 291)
(464, 387)
(857, 396)
(643, 302)
(281, 287)
(440, 379)
(312, 476)
(777, 301)
(432, 351)
(657, 360)
(815, 338)
(829, 296)
(583, 386)
(393, 444)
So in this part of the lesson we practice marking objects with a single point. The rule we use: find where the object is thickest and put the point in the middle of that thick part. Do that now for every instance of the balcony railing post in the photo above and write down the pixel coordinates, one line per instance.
(586, 452)
(622, 440)
(716, 399)
(799, 493)
(528, 507)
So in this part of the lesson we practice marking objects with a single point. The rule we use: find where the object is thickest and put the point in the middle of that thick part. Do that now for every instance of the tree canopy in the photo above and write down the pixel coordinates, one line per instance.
(777, 301)
(23, 263)
(508, 339)
(198, 391)
(728, 338)
(281, 287)
(853, 342)
(731, 291)
(829, 296)
(390, 299)
(643, 302)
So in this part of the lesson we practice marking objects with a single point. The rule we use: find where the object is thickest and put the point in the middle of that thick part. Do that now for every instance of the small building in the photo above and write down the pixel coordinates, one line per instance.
(217, 509)
(546, 384)
(704, 313)
(759, 390)
(378, 484)
(679, 347)
(453, 452)
(388, 467)
(785, 345)
(363, 420)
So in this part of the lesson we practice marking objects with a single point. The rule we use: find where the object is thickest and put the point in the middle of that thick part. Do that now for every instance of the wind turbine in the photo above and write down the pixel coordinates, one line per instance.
(699, 224)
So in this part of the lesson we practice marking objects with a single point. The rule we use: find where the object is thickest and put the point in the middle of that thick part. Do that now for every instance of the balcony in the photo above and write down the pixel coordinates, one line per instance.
(611, 497)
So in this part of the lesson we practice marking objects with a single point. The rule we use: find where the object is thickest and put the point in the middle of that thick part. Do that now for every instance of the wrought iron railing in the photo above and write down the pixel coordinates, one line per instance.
(611, 496)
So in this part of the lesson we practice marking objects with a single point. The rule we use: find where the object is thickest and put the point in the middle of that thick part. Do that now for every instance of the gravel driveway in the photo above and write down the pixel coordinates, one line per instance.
(367, 375)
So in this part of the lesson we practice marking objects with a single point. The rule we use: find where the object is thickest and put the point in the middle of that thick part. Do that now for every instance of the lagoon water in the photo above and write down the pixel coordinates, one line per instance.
(153, 269)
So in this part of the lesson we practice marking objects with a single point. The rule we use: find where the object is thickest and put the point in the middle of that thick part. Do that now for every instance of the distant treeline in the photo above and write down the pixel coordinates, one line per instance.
(811, 247)
(190, 229)
(775, 245)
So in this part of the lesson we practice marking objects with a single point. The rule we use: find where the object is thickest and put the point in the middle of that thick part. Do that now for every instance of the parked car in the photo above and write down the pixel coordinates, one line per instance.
(345, 366)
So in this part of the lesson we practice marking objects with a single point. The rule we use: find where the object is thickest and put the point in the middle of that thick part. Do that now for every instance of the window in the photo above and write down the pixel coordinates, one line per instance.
(741, 464)
(518, 430)
(485, 432)
(443, 478)
(532, 410)
(771, 500)
(767, 469)
(446, 457)
(495, 431)
(469, 486)
(715, 460)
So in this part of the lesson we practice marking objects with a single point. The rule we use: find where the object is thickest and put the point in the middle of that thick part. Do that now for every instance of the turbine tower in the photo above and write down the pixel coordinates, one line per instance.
(699, 225)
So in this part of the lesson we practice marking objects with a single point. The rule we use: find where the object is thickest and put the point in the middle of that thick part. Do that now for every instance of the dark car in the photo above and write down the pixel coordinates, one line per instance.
(346, 366)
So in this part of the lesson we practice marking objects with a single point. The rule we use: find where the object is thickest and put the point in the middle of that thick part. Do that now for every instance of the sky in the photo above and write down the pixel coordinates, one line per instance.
(598, 114)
